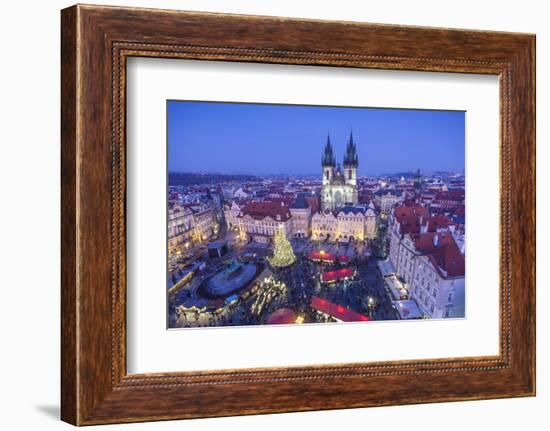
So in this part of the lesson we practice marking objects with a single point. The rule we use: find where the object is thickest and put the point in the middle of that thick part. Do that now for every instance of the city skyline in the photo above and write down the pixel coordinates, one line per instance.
(315, 243)
(241, 138)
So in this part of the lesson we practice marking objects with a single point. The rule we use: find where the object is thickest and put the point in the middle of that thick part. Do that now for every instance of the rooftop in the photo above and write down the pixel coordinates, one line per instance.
(337, 311)
(336, 275)
(281, 317)
(276, 209)
(326, 256)
(300, 202)
(442, 251)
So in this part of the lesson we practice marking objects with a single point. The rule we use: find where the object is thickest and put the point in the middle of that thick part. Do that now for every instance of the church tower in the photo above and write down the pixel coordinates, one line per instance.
(351, 161)
(417, 179)
(328, 162)
(339, 185)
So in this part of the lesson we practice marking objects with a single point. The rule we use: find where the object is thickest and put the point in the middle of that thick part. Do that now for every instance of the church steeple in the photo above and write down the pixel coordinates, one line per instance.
(350, 157)
(417, 179)
(328, 155)
(339, 185)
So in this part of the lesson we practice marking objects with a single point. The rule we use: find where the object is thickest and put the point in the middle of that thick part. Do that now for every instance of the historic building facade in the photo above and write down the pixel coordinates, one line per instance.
(260, 221)
(181, 225)
(300, 212)
(370, 222)
(339, 185)
(425, 255)
(388, 198)
(348, 223)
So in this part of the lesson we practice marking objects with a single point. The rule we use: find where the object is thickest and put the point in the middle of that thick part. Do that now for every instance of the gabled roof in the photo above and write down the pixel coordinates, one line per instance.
(437, 222)
(277, 210)
(300, 202)
(450, 195)
(352, 209)
(442, 251)
(409, 217)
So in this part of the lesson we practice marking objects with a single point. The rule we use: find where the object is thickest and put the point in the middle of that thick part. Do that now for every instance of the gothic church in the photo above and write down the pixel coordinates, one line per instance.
(339, 186)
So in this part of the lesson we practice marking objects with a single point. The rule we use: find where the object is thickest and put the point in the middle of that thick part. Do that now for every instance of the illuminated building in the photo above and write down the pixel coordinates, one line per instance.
(180, 230)
(348, 223)
(426, 256)
(339, 186)
(301, 217)
(259, 221)
(205, 225)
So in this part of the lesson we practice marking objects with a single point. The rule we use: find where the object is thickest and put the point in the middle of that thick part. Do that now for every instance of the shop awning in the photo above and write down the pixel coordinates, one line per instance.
(337, 311)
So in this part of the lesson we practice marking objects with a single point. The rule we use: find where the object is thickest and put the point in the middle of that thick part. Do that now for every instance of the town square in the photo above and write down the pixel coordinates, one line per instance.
(255, 248)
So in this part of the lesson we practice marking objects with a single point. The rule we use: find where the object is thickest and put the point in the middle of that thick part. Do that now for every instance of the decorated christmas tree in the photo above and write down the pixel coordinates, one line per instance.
(283, 255)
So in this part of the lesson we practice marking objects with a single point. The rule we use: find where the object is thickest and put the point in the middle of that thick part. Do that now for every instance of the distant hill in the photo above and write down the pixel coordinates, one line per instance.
(189, 179)
(399, 174)
(410, 175)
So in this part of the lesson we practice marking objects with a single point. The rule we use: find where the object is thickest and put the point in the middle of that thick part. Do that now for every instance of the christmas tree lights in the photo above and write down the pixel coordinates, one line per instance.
(283, 255)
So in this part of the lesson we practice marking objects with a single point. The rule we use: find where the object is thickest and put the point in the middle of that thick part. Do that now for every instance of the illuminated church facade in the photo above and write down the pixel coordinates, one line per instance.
(339, 185)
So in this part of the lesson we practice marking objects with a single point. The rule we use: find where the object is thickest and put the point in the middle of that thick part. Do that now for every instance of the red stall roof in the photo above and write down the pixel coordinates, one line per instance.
(282, 316)
(339, 274)
(326, 256)
(338, 311)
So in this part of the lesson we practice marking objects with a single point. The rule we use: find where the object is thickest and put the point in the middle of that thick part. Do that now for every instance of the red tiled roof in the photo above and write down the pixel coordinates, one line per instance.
(460, 211)
(313, 202)
(450, 195)
(260, 210)
(445, 256)
(338, 311)
(438, 222)
(339, 274)
(409, 217)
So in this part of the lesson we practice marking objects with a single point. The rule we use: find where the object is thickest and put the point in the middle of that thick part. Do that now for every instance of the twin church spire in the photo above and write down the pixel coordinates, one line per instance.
(328, 156)
(339, 185)
(350, 156)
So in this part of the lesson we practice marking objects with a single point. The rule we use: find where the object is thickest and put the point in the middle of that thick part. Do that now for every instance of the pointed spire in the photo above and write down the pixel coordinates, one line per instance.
(328, 157)
(350, 157)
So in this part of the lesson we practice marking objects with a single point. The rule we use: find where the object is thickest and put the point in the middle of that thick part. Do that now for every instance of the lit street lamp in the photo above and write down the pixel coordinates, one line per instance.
(371, 303)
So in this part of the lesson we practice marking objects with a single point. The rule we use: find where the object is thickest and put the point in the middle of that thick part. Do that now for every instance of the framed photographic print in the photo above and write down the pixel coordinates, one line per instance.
(268, 215)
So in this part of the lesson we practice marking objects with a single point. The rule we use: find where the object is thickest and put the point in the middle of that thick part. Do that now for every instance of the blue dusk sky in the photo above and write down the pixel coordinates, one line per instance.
(264, 139)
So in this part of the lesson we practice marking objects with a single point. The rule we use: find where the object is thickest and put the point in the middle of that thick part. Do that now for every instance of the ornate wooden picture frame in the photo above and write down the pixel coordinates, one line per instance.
(96, 42)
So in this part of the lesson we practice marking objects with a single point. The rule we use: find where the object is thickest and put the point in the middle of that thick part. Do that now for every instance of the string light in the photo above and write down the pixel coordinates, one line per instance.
(283, 255)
